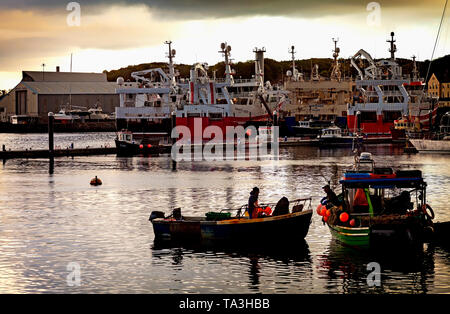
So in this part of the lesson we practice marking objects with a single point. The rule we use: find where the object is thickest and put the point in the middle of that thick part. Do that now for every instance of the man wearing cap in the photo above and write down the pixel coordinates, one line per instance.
(253, 201)
(332, 199)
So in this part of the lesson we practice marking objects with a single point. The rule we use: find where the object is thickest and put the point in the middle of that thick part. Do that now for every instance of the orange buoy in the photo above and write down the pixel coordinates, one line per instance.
(325, 218)
(96, 181)
(328, 213)
(352, 222)
(323, 211)
(343, 217)
(319, 207)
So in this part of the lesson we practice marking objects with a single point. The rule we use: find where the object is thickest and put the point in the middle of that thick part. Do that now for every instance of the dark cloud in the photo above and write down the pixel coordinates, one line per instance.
(198, 9)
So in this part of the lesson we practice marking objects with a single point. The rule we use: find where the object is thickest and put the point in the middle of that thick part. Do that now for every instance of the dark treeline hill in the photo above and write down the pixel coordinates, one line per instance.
(275, 71)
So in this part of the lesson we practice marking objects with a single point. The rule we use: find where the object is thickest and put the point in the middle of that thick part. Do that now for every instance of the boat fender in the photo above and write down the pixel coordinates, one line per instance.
(424, 209)
(156, 214)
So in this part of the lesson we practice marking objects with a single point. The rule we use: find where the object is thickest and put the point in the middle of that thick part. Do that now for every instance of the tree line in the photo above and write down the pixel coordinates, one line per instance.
(275, 71)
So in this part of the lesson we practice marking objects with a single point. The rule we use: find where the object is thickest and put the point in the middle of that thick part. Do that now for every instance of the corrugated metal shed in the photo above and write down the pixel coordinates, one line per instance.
(66, 88)
(39, 76)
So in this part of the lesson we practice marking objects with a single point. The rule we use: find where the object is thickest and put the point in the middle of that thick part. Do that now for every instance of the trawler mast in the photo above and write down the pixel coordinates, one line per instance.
(336, 71)
(225, 50)
(393, 48)
(171, 55)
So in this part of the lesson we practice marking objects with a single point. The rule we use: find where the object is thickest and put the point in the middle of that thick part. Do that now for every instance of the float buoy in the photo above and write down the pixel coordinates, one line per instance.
(343, 217)
(318, 209)
(96, 181)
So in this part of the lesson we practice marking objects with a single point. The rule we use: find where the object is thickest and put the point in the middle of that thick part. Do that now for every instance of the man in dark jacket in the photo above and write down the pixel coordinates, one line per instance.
(332, 199)
(253, 201)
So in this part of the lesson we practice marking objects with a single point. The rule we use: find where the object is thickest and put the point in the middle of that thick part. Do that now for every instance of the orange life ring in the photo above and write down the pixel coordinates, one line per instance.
(424, 209)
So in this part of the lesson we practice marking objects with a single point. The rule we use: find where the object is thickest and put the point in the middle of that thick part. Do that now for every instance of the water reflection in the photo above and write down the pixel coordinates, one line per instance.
(346, 269)
(283, 259)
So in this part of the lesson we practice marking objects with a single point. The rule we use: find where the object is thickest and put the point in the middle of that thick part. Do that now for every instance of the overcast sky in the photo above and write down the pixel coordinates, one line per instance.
(113, 34)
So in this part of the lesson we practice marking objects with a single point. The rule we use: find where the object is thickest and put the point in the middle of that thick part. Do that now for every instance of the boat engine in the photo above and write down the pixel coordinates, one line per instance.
(156, 214)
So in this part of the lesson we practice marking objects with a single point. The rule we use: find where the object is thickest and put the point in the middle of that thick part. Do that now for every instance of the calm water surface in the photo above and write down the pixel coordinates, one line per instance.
(49, 221)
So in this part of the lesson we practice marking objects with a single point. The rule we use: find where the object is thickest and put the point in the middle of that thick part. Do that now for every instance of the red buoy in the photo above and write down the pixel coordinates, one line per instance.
(352, 222)
(141, 146)
(319, 208)
(96, 181)
(323, 212)
(343, 217)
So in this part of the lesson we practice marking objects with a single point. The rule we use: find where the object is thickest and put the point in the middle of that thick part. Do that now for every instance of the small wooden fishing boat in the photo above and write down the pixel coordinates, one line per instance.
(394, 209)
(222, 227)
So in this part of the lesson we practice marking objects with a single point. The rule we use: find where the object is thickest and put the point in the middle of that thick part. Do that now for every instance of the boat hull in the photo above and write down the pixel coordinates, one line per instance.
(130, 149)
(431, 146)
(241, 230)
(355, 237)
(395, 235)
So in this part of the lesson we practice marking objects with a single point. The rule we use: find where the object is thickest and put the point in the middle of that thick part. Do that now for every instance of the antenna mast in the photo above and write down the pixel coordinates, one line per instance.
(225, 50)
(294, 74)
(171, 55)
(393, 48)
(336, 71)
(415, 73)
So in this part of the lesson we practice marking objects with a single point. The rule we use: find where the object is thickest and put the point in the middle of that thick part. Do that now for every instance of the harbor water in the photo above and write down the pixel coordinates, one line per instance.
(49, 223)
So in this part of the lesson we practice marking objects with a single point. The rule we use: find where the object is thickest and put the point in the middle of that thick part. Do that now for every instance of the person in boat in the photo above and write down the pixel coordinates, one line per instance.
(331, 197)
(253, 201)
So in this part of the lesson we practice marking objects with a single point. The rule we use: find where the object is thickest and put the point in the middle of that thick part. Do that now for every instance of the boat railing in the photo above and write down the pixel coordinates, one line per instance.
(296, 202)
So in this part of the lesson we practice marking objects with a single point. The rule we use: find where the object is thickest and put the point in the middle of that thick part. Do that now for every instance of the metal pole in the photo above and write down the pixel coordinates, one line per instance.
(51, 141)
(174, 139)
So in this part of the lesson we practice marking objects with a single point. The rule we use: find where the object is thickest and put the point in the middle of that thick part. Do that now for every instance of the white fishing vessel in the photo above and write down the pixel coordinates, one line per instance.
(64, 117)
(213, 101)
(384, 94)
(97, 114)
(441, 141)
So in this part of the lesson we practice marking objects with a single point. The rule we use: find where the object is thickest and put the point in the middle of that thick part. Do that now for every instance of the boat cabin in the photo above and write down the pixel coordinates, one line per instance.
(331, 132)
(382, 192)
(265, 134)
(143, 138)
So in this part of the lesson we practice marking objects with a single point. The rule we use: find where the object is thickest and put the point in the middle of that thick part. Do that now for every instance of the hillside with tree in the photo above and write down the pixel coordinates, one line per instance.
(275, 71)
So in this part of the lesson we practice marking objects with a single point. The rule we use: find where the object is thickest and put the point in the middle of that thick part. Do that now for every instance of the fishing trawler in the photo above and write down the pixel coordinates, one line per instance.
(334, 136)
(199, 101)
(317, 99)
(379, 207)
(383, 94)
(439, 142)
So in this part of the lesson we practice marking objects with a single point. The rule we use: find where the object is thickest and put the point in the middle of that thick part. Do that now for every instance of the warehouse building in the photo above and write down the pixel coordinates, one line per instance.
(39, 93)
